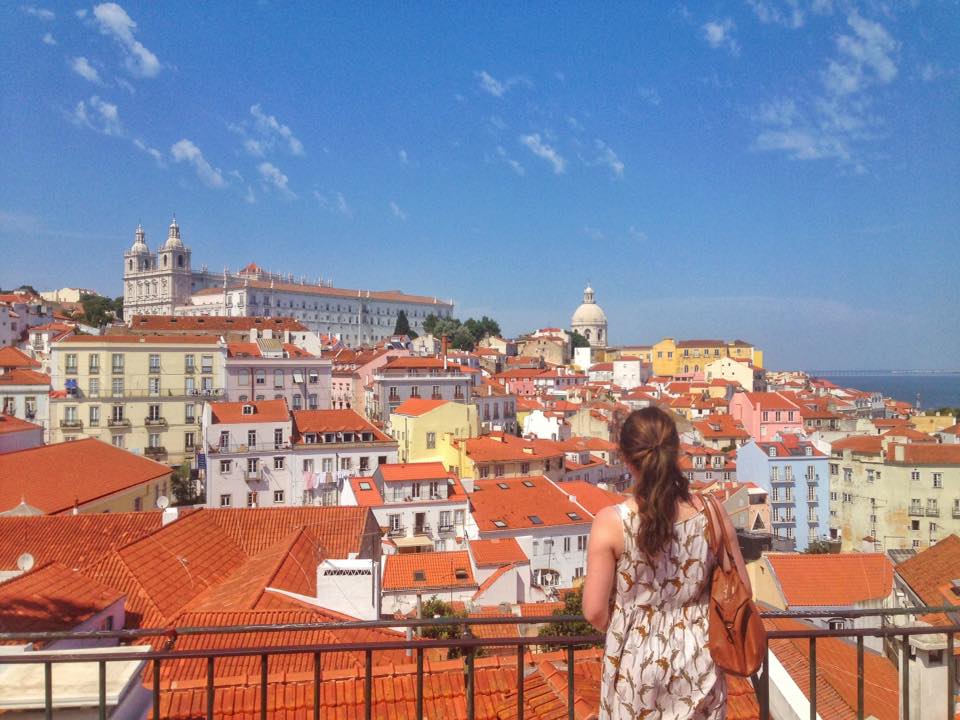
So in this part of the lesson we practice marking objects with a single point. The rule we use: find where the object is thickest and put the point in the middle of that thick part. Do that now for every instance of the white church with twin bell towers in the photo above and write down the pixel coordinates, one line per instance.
(164, 283)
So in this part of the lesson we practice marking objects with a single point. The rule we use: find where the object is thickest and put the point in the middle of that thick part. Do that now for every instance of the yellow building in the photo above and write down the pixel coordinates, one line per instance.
(672, 357)
(86, 476)
(499, 455)
(419, 427)
(143, 393)
(933, 423)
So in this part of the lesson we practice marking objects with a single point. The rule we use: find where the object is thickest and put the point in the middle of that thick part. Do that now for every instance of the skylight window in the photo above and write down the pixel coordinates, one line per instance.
(535, 519)
(499, 523)
(528, 483)
(573, 516)
(364, 486)
(503, 486)
(419, 576)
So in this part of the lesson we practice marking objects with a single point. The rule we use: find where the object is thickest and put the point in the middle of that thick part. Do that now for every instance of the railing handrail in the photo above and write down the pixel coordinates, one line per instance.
(172, 632)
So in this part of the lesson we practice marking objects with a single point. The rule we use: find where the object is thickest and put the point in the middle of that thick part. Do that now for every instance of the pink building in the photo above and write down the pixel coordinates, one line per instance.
(765, 414)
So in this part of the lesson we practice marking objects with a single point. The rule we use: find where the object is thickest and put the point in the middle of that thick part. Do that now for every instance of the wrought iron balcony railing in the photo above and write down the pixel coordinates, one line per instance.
(467, 644)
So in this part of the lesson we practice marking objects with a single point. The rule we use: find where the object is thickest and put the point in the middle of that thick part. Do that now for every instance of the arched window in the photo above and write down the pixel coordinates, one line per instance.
(164, 260)
(130, 265)
(586, 333)
(179, 260)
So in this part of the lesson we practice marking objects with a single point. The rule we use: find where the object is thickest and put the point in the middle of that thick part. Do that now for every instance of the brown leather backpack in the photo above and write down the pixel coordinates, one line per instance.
(737, 638)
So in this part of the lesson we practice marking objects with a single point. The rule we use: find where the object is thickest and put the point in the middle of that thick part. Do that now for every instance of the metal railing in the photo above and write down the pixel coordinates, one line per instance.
(467, 644)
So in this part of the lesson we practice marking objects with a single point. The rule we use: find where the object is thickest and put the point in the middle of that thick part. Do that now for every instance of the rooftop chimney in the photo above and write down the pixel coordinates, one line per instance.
(443, 350)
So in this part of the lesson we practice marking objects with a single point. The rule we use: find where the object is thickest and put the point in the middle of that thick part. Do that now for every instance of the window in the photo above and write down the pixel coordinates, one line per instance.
(314, 376)
(312, 402)
(297, 401)
(154, 362)
(525, 468)
(434, 489)
(94, 390)
(834, 469)
(847, 475)
(206, 363)
(117, 441)
(137, 504)
(278, 378)
(252, 498)
(188, 440)
(252, 464)
(94, 415)
(189, 386)
(243, 377)
(251, 438)
(153, 440)
(914, 524)
(869, 476)
(70, 362)
(117, 413)
(394, 522)
(498, 470)
(189, 363)
(415, 490)
(116, 362)
(502, 524)
(938, 480)
(445, 520)
(431, 440)
(278, 497)
(535, 519)
(224, 466)
(836, 624)
(116, 387)
(484, 471)
(566, 544)
(581, 542)
(278, 463)
(528, 483)
(578, 572)
(153, 386)
(915, 475)
(94, 363)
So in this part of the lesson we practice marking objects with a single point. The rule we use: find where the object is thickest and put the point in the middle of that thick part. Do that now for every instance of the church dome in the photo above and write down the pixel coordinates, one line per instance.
(173, 237)
(139, 246)
(589, 313)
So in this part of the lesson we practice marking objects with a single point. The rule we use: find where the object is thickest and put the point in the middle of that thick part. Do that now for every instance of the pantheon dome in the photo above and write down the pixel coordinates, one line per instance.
(590, 320)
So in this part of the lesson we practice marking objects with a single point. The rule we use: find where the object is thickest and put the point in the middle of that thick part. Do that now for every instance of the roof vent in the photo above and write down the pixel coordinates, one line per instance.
(460, 574)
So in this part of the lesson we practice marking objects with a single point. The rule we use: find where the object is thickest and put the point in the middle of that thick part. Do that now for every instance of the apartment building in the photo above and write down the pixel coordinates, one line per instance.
(794, 474)
(403, 378)
(420, 506)
(268, 368)
(672, 358)
(901, 495)
(496, 407)
(143, 393)
(499, 455)
(419, 425)
(766, 414)
(24, 390)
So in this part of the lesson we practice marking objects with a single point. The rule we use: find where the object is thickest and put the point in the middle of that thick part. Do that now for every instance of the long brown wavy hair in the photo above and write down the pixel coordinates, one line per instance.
(650, 444)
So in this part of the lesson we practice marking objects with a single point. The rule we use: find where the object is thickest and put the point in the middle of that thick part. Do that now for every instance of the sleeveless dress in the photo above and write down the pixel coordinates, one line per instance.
(656, 662)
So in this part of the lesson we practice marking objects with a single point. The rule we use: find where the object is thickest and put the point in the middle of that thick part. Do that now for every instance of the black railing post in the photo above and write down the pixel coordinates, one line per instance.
(469, 669)
(210, 688)
(570, 689)
(813, 678)
(48, 690)
(368, 685)
(419, 683)
(156, 690)
(860, 671)
(765, 683)
(263, 686)
(951, 679)
(102, 689)
(520, 679)
(316, 686)
(905, 677)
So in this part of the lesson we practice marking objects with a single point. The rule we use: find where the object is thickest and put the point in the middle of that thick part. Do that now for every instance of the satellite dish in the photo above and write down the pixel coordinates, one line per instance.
(163, 502)
(26, 562)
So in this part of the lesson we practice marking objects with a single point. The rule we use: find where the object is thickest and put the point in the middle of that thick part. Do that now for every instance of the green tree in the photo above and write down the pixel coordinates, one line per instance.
(99, 311)
(403, 326)
(430, 324)
(462, 339)
(577, 340)
(184, 487)
(437, 608)
(818, 547)
(117, 307)
(572, 605)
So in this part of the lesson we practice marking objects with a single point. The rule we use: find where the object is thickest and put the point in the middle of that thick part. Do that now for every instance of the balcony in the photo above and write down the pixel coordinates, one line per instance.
(70, 370)
(397, 532)
(933, 512)
(155, 451)
(119, 423)
(956, 513)
(444, 528)
(421, 530)
(915, 511)
(252, 475)
(155, 421)
(71, 424)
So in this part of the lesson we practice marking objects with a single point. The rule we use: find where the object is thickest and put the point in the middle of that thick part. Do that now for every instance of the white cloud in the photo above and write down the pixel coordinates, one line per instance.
(41, 13)
(269, 126)
(337, 204)
(789, 13)
(490, 84)
(397, 211)
(81, 13)
(864, 58)
(82, 67)
(719, 34)
(185, 150)
(609, 158)
(930, 72)
(539, 148)
(254, 147)
(126, 85)
(514, 165)
(48, 39)
(271, 175)
(114, 21)
(249, 197)
(593, 233)
(402, 154)
(651, 95)
(98, 115)
(151, 151)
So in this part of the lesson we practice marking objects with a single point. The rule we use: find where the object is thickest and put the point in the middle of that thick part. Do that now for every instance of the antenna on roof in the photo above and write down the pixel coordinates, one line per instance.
(26, 562)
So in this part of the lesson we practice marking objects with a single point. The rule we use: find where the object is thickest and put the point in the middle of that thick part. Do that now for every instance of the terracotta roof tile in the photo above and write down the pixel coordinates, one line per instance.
(415, 407)
(13, 424)
(138, 339)
(264, 411)
(868, 444)
(430, 570)
(497, 552)
(404, 472)
(11, 357)
(593, 498)
(52, 477)
(366, 493)
(325, 421)
(926, 454)
(24, 376)
(521, 503)
(210, 323)
(930, 569)
(844, 579)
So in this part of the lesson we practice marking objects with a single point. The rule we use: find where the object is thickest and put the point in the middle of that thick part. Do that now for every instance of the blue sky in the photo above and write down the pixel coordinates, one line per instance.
(784, 172)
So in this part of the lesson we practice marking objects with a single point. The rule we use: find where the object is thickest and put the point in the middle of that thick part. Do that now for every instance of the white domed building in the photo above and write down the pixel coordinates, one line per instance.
(590, 320)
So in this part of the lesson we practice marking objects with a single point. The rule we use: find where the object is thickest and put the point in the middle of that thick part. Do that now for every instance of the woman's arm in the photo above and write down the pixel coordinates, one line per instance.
(606, 539)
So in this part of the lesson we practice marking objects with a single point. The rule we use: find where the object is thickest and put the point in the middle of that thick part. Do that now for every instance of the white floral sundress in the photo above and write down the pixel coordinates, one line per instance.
(656, 662)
